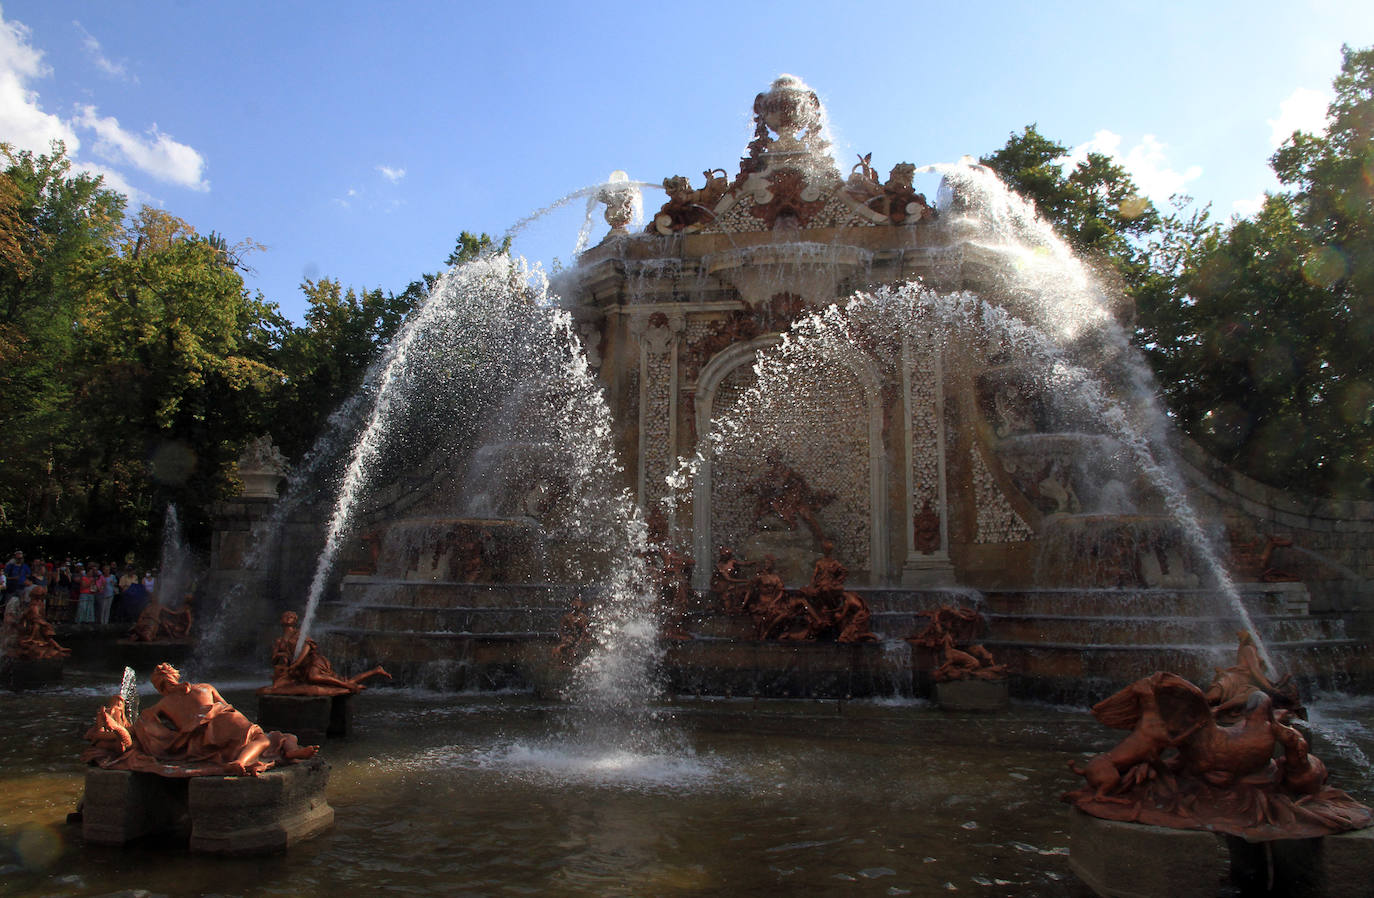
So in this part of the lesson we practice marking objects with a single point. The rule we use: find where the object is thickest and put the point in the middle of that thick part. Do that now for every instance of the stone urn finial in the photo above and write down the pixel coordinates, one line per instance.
(791, 110)
(262, 468)
(619, 197)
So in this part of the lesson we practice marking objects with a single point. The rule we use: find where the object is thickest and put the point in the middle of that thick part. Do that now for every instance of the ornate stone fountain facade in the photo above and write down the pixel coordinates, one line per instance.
(942, 472)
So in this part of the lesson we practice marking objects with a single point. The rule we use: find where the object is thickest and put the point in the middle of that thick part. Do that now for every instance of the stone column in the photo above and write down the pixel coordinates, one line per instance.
(927, 507)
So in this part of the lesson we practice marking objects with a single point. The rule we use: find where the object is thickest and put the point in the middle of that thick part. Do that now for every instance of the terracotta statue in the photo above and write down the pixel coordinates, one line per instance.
(782, 491)
(35, 640)
(1232, 686)
(926, 529)
(852, 619)
(157, 623)
(310, 673)
(777, 615)
(109, 735)
(1179, 768)
(687, 208)
(728, 583)
(964, 624)
(977, 663)
(573, 632)
(675, 594)
(191, 731)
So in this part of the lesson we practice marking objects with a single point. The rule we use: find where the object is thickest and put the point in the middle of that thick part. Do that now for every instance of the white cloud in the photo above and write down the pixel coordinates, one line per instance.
(391, 174)
(26, 126)
(1147, 163)
(155, 154)
(1248, 207)
(1303, 110)
(23, 123)
(103, 62)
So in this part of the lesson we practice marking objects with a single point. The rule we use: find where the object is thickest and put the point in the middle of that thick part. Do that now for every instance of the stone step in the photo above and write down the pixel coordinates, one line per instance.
(356, 590)
(406, 618)
(1122, 630)
(1269, 599)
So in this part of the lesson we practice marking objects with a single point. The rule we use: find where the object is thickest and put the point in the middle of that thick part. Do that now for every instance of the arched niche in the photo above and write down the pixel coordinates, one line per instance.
(833, 448)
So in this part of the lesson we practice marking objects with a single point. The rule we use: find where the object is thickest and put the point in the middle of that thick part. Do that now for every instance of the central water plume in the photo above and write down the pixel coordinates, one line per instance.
(487, 361)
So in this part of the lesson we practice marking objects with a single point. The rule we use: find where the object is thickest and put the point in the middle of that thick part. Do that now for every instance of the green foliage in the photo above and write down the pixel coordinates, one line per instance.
(1095, 205)
(1267, 344)
(470, 246)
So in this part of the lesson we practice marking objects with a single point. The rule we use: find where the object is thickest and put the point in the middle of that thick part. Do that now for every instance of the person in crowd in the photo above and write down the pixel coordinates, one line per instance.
(39, 576)
(85, 601)
(150, 582)
(104, 594)
(16, 573)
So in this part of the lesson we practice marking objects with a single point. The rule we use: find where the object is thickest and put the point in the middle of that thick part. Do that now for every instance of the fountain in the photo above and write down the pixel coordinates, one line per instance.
(789, 363)
(944, 383)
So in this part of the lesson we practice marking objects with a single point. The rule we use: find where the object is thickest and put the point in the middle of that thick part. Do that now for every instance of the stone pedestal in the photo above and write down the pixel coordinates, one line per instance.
(254, 814)
(21, 674)
(222, 814)
(1126, 860)
(1131, 860)
(312, 718)
(120, 806)
(972, 695)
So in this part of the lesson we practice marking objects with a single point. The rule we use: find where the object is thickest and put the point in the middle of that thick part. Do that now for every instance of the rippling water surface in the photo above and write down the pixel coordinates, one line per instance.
(472, 795)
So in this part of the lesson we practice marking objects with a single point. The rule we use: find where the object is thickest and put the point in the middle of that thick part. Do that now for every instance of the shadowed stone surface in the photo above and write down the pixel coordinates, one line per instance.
(270, 812)
(972, 695)
(312, 718)
(120, 805)
(1128, 860)
(30, 674)
(227, 814)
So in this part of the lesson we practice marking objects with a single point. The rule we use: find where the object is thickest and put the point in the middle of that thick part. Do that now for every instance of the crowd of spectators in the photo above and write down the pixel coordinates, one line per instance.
(89, 592)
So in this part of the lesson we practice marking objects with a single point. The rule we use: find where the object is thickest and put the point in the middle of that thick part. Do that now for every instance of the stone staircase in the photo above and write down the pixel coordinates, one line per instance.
(1066, 645)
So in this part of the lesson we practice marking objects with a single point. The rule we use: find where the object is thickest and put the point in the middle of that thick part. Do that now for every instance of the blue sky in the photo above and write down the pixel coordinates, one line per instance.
(355, 140)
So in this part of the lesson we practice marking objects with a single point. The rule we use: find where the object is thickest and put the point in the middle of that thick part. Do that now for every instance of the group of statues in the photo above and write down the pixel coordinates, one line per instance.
(821, 608)
(27, 634)
(1225, 759)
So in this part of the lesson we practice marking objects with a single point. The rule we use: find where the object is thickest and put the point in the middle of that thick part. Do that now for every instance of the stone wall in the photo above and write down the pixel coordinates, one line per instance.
(1333, 539)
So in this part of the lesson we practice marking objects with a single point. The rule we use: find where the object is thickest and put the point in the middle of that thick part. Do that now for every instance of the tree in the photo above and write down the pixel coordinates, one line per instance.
(470, 246)
(1095, 206)
(1268, 350)
(51, 223)
(169, 379)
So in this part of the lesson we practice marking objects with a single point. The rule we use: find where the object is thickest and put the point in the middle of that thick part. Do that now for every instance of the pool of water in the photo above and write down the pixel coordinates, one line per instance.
(496, 795)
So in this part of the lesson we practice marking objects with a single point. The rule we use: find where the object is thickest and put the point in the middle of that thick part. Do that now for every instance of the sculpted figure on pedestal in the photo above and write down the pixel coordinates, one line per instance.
(780, 490)
(675, 593)
(778, 615)
(573, 632)
(310, 673)
(728, 582)
(157, 623)
(191, 731)
(1233, 685)
(33, 637)
(976, 663)
(1180, 768)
